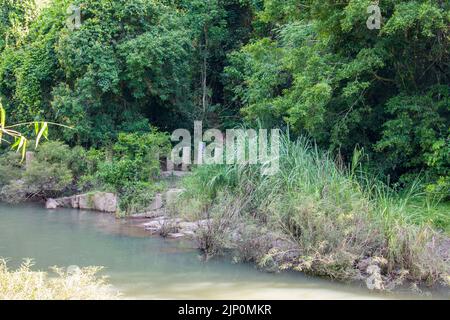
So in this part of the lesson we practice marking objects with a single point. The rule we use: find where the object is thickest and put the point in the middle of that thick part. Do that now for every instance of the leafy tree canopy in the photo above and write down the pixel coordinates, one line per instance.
(318, 68)
(312, 66)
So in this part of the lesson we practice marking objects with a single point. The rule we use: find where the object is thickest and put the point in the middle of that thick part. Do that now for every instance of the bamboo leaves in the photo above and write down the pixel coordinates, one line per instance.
(21, 142)
(41, 129)
(2, 121)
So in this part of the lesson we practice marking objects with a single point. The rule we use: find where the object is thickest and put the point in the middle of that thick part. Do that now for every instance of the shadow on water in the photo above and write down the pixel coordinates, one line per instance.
(144, 267)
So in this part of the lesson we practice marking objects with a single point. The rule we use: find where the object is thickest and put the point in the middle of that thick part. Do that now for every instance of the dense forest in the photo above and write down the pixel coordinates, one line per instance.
(312, 66)
(133, 71)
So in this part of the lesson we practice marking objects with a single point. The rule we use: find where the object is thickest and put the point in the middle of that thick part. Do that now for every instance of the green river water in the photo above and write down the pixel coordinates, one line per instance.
(144, 267)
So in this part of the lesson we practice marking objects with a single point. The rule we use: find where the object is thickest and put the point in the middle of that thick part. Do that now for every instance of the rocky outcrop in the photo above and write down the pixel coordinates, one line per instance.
(158, 222)
(174, 227)
(159, 204)
(51, 204)
(98, 201)
(370, 269)
(149, 214)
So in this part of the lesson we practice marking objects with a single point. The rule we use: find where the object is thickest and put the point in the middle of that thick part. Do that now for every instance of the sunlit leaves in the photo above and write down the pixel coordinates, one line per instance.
(19, 141)
(424, 16)
(41, 130)
(2, 121)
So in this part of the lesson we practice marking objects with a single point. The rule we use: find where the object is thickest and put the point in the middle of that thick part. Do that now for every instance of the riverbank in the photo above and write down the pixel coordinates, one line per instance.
(242, 241)
(222, 226)
(245, 242)
(145, 266)
(318, 218)
(312, 216)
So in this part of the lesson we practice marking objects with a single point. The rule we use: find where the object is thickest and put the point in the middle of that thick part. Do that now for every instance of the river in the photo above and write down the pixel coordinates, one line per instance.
(145, 267)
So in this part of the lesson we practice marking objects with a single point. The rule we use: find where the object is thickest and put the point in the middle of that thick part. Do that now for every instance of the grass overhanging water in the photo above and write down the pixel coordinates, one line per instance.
(340, 222)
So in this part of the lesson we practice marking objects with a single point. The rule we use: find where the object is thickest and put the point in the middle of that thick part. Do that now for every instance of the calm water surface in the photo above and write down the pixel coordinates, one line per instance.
(144, 267)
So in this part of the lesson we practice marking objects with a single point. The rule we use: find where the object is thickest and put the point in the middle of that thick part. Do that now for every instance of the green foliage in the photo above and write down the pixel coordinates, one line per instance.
(28, 67)
(130, 168)
(20, 141)
(318, 68)
(417, 135)
(10, 167)
(135, 159)
(311, 65)
(15, 17)
(130, 62)
(217, 27)
(49, 173)
(116, 174)
(211, 185)
(116, 67)
(142, 146)
(84, 162)
(335, 216)
(138, 195)
(46, 175)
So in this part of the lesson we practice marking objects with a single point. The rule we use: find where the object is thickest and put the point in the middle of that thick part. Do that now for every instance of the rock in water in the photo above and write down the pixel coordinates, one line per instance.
(374, 281)
(175, 235)
(105, 202)
(98, 201)
(51, 204)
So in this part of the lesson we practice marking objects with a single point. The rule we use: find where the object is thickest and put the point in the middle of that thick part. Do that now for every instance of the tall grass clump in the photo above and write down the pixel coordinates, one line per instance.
(339, 222)
(78, 284)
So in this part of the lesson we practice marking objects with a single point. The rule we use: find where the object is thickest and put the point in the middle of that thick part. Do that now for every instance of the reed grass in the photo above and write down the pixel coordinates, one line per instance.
(336, 215)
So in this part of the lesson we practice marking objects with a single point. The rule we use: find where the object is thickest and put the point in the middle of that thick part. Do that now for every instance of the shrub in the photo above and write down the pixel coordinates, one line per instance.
(84, 162)
(133, 169)
(135, 158)
(79, 284)
(10, 167)
(85, 165)
(138, 196)
(129, 169)
(47, 175)
(118, 173)
(142, 146)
